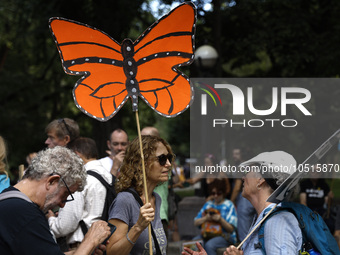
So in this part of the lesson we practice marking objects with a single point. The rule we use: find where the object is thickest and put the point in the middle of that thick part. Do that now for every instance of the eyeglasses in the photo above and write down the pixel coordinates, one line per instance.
(68, 189)
(162, 159)
(66, 126)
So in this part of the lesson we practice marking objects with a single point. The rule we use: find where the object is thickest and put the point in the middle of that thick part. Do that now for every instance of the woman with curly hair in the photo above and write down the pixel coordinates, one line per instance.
(4, 179)
(125, 213)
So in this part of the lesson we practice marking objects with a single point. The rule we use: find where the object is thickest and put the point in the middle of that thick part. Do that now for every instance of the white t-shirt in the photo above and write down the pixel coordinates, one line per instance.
(107, 163)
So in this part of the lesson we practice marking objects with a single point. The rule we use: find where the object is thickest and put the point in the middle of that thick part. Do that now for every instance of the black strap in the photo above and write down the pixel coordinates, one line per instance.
(82, 224)
(100, 178)
(140, 202)
(83, 227)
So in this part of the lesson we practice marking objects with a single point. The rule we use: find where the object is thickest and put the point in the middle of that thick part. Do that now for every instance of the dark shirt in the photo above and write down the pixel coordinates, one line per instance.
(315, 194)
(24, 229)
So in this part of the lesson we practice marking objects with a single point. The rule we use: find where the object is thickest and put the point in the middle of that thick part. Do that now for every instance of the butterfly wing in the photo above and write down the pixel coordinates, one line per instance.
(87, 51)
(164, 46)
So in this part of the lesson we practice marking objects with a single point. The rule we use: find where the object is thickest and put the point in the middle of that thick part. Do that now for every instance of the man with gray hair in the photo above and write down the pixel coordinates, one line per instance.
(54, 175)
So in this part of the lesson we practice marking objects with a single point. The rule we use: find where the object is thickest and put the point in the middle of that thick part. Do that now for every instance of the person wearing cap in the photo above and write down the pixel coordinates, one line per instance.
(263, 174)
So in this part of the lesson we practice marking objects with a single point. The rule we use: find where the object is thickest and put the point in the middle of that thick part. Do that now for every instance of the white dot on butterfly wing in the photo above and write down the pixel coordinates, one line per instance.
(86, 59)
(73, 62)
(132, 81)
(179, 54)
(131, 73)
(134, 90)
(128, 48)
(113, 61)
(100, 60)
(129, 63)
(156, 55)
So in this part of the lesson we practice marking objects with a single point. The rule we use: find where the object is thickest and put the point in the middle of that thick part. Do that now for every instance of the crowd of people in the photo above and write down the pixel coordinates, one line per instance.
(59, 205)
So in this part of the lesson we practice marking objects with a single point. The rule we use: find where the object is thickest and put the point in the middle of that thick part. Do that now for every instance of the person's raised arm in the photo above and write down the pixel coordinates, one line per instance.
(124, 239)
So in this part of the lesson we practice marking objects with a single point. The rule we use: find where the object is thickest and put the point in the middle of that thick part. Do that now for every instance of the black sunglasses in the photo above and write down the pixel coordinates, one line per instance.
(162, 159)
(60, 121)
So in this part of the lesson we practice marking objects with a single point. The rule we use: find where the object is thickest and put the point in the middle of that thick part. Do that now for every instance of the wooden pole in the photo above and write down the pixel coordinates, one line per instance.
(21, 171)
(144, 179)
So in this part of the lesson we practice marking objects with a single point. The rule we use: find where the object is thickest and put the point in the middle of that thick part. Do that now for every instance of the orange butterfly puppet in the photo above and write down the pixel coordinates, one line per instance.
(147, 68)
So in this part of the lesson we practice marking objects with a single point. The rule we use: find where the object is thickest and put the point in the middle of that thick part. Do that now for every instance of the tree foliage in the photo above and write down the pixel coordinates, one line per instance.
(261, 38)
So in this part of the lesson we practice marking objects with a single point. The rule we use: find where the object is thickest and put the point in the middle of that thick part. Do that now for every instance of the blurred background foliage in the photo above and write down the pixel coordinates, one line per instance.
(254, 38)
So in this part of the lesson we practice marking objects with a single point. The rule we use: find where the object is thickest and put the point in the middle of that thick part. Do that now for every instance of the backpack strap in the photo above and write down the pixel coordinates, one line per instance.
(83, 227)
(100, 178)
(260, 244)
(277, 210)
(140, 202)
(14, 194)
